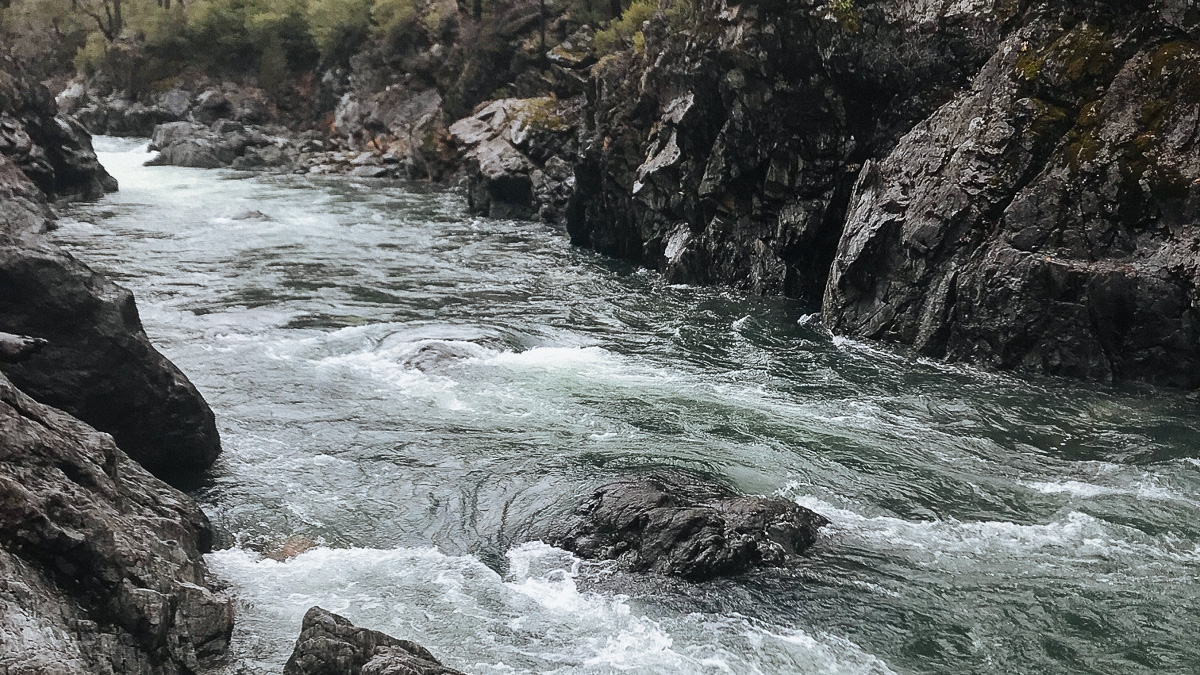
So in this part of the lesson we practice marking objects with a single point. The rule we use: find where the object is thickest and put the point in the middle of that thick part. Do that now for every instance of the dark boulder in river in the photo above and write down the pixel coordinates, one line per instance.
(100, 567)
(97, 363)
(330, 645)
(683, 527)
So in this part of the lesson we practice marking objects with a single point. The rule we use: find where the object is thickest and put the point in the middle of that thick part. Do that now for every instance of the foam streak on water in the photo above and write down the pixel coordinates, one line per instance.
(408, 397)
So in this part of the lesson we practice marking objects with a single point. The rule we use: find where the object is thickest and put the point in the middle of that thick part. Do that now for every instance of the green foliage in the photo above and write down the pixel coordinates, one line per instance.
(848, 15)
(626, 31)
(273, 67)
(339, 26)
(395, 20)
(90, 56)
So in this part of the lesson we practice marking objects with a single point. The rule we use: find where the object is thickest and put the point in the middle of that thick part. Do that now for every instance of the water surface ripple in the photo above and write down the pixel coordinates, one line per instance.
(408, 395)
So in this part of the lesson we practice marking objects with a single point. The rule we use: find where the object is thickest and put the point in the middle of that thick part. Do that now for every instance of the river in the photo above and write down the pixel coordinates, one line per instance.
(408, 395)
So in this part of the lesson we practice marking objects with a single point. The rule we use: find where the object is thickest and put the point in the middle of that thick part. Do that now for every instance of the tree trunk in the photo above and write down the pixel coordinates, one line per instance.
(118, 22)
(542, 27)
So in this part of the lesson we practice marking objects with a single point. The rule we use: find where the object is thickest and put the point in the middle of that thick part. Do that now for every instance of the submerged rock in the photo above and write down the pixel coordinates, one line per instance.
(100, 565)
(687, 528)
(330, 645)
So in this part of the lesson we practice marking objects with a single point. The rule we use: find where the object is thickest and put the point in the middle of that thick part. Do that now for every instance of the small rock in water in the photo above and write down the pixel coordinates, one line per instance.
(252, 214)
(290, 548)
(685, 527)
(330, 645)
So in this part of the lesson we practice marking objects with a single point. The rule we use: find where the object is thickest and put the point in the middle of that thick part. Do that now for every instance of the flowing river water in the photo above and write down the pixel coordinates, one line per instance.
(408, 396)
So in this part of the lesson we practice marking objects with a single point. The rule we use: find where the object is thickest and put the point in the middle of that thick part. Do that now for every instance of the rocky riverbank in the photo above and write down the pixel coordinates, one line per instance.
(1005, 183)
(100, 561)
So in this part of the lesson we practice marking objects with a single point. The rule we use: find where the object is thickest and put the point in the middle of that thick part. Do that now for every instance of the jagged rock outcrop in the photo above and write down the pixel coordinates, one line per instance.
(1003, 182)
(682, 526)
(54, 152)
(105, 109)
(1045, 220)
(514, 152)
(724, 151)
(97, 363)
(330, 645)
(100, 567)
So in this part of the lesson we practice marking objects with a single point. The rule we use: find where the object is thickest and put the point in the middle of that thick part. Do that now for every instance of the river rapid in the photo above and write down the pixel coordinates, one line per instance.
(408, 396)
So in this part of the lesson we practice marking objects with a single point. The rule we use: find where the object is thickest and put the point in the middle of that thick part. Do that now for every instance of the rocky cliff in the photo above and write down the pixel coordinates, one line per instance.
(1009, 182)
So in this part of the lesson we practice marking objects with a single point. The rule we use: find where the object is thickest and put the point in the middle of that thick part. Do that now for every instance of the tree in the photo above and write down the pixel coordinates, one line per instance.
(106, 14)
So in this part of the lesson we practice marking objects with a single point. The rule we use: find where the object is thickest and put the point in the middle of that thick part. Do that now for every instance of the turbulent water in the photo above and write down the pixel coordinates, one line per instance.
(408, 396)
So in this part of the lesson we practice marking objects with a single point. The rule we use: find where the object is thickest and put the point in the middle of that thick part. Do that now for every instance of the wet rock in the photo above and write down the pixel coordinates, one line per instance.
(97, 364)
(998, 182)
(225, 143)
(100, 562)
(682, 526)
(17, 348)
(330, 645)
(514, 151)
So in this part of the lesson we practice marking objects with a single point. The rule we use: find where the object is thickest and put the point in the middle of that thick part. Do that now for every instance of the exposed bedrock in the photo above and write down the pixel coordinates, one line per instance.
(513, 151)
(100, 567)
(97, 363)
(223, 143)
(52, 151)
(682, 526)
(330, 645)
(1009, 182)
(1045, 220)
(725, 151)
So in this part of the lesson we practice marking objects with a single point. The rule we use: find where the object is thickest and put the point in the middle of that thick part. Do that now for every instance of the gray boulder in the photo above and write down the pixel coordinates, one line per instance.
(682, 526)
(330, 645)
(100, 562)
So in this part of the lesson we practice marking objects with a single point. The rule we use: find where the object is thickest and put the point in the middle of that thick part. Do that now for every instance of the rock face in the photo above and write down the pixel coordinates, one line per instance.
(687, 528)
(1045, 220)
(223, 143)
(513, 151)
(100, 567)
(1004, 182)
(54, 152)
(331, 645)
(724, 152)
(406, 126)
(104, 109)
(97, 363)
